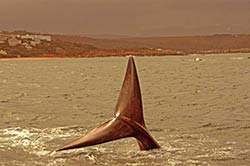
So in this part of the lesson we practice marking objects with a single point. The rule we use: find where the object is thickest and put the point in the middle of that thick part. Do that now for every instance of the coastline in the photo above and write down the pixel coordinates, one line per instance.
(43, 57)
(30, 58)
(25, 45)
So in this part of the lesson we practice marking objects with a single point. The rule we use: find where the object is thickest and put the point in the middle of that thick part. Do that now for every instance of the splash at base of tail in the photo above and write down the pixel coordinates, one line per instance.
(128, 118)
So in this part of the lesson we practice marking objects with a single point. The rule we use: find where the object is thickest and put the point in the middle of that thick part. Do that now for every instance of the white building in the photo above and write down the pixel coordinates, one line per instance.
(34, 37)
(27, 46)
(14, 41)
(2, 52)
(35, 42)
(3, 38)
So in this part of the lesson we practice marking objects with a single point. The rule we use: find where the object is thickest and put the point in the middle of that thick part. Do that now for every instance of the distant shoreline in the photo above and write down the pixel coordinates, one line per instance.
(42, 57)
(30, 58)
(34, 45)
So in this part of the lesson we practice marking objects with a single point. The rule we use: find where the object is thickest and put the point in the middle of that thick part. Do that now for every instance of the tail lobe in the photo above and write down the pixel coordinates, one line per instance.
(128, 118)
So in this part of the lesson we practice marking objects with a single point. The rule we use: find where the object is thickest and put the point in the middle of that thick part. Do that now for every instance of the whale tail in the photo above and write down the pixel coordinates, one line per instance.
(128, 118)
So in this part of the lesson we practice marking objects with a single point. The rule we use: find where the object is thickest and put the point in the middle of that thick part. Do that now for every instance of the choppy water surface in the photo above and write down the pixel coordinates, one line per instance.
(199, 111)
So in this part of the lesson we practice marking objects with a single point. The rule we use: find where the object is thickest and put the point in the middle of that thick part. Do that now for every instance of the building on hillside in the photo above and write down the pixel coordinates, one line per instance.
(27, 46)
(34, 37)
(14, 41)
(2, 52)
(3, 38)
(43, 37)
(35, 42)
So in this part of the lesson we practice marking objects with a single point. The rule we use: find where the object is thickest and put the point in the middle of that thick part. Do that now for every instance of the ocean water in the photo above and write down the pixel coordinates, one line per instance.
(197, 109)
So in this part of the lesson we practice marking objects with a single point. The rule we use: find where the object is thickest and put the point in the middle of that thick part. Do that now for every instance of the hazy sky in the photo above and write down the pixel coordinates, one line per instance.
(127, 17)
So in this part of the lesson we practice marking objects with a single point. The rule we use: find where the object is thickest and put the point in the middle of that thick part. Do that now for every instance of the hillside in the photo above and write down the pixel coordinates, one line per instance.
(187, 44)
(26, 44)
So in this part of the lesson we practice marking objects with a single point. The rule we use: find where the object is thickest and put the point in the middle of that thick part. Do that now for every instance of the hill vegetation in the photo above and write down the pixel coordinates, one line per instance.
(26, 44)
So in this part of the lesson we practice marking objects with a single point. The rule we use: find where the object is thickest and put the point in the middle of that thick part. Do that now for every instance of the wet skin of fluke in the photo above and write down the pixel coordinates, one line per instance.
(128, 118)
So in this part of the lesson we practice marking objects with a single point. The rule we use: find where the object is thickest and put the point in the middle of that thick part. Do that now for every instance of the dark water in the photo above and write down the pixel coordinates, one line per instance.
(199, 111)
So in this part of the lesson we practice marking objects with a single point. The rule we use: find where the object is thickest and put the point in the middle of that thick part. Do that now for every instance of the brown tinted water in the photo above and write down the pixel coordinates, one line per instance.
(199, 111)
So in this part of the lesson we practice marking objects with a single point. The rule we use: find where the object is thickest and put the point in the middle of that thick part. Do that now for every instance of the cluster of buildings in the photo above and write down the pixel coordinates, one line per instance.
(27, 40)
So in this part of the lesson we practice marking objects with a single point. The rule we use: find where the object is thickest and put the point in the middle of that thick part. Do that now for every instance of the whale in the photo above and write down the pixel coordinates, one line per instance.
(127, 121)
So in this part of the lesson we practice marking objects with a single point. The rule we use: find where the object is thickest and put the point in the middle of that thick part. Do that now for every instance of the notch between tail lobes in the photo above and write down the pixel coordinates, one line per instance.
(128, 118)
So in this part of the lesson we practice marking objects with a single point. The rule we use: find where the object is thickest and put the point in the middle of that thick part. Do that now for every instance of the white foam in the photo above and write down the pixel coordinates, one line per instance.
(33, 140)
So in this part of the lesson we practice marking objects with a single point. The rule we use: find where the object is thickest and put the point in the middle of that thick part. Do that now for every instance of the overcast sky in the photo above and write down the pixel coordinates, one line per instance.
(127, 17)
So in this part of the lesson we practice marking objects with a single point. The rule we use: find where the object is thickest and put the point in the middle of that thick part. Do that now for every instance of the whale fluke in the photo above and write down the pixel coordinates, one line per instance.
(128, 118)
